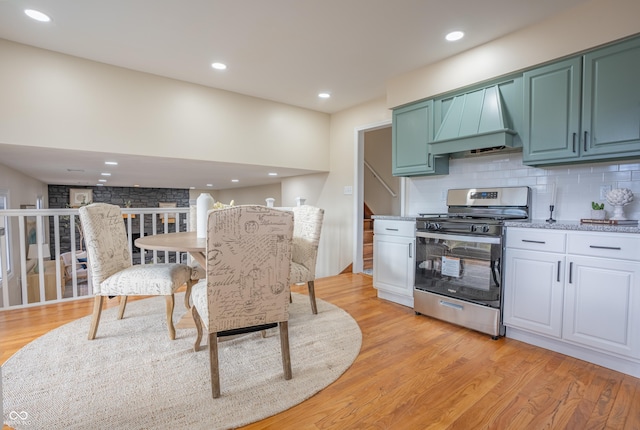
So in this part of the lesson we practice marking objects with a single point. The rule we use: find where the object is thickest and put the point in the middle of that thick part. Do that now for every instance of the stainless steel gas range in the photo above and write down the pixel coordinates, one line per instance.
(459, 265)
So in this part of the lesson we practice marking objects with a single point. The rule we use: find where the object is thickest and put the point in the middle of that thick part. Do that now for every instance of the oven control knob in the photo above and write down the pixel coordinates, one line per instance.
(473, 228)
(433, 226)
(485, 229)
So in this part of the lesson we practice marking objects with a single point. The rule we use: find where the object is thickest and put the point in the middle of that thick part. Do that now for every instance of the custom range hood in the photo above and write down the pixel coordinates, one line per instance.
(474, 121)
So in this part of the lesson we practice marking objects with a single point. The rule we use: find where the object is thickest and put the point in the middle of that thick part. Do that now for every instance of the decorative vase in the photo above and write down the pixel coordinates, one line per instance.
(203, 205)
(618, 198)
(618, 212)
(598, 214)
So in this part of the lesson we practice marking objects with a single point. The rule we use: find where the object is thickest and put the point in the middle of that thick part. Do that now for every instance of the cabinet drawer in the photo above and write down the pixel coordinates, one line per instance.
(612, 245)
(394, 227)
(536, 239)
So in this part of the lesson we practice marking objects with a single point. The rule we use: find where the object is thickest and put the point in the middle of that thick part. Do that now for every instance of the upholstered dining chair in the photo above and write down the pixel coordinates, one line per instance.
(307, 225)
(247, 284)
(111, 269)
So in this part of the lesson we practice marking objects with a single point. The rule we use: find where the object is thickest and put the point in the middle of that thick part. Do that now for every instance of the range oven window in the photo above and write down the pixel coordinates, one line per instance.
(464, 267)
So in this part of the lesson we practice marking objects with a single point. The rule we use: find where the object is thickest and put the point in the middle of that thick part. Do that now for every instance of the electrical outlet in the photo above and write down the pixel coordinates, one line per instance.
(443, 196)
(604, 189)
(348, 189)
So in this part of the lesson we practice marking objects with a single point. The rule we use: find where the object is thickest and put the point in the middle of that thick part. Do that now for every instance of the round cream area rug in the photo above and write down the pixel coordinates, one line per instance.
(133, 377)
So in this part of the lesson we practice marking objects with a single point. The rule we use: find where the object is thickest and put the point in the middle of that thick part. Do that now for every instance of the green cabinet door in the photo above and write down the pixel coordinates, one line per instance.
(611, 102)
(412, 132)
(551, 118)
(584, 109)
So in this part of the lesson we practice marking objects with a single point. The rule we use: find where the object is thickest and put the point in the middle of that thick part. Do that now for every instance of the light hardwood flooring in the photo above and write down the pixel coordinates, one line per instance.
(414, 372)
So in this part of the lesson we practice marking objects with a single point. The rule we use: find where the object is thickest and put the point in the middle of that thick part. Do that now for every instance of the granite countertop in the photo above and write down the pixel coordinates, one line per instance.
(541, 224)
(394, 217)
(573, 225)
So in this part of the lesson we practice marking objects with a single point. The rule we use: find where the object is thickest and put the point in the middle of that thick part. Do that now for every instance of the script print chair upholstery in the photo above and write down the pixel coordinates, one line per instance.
(247, 282)
(307, 225)
(112, 272)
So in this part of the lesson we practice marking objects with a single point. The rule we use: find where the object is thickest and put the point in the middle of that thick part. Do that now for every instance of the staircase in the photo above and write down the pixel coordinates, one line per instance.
(367, 241)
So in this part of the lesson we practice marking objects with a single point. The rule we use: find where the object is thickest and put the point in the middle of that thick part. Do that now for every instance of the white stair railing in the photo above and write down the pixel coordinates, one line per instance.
(375, 175)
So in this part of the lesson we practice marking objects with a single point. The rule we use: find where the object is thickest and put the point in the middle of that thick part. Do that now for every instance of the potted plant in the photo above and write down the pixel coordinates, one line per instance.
(597, 210)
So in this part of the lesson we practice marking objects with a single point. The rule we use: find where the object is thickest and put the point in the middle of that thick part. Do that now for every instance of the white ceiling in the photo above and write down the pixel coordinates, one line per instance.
(282, 50)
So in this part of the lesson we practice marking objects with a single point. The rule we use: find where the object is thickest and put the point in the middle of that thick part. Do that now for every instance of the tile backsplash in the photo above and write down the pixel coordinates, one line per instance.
(576, 185)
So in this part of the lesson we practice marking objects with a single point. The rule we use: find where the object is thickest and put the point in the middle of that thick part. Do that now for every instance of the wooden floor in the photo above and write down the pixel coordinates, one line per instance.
(414, 372)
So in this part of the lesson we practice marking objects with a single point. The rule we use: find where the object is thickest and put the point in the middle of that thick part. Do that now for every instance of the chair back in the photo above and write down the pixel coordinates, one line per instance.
(106, 241)
(307, 226)
(248, 263)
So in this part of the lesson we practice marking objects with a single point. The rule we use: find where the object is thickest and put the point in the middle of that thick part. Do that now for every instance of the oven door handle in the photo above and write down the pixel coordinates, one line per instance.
(451, 305)
(458, 237)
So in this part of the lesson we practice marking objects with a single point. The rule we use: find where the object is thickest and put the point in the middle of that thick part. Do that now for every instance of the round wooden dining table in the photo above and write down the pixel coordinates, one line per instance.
(186, 241)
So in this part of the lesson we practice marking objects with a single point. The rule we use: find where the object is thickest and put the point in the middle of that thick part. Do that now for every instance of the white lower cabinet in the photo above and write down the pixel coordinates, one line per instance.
(533, 300)
(602, 308)
(577, 293)
(394, 260)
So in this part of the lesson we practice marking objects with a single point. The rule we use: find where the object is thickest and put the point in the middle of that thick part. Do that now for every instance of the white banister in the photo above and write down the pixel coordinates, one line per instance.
(375, 175)
(58, 231)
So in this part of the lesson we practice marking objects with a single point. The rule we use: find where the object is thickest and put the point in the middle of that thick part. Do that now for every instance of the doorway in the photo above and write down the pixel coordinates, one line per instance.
(361, 136)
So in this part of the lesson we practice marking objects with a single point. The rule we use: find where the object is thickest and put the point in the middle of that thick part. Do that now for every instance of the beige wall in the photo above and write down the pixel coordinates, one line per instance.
(336, 244)
(55, 100)
(242, 196)
(586, 26)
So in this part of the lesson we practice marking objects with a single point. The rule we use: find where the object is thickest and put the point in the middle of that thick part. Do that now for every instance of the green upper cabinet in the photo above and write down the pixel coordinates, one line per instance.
(412, 133)
(611, 101)
(551, 126)
(584, 109)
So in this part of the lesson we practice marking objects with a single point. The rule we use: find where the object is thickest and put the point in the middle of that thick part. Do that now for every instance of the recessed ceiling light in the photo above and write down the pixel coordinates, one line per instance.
(136, 185)
(324, 95)
(102, 180)
(209, 185)
(273, 174)
(111, 163)
(37, 15)
(235, 180)
(454, 35)
(219, 66)
(99, 185)
(105, 174)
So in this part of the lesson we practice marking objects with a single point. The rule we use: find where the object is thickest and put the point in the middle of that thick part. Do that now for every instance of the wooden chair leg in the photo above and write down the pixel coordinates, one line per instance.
(312, 297)
(123, 305)
(97, 311)
(198, 323)
(213, 360)
(187, 295)
(170, 299)
(284, 347)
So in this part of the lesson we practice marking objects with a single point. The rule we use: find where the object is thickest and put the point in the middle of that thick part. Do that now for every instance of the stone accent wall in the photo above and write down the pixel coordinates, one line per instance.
(139, 197)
